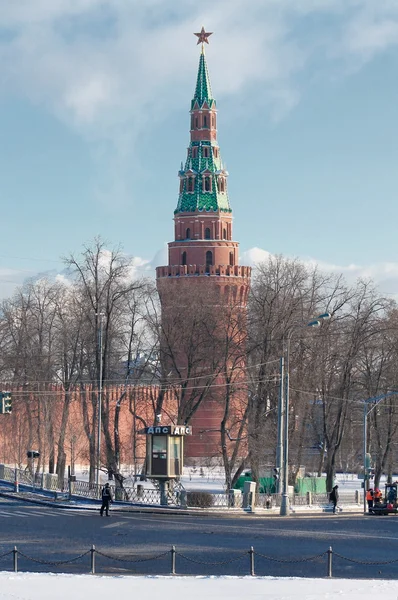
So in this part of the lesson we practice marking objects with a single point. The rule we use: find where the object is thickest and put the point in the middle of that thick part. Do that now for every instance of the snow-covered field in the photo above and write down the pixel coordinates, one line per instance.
(25, 586)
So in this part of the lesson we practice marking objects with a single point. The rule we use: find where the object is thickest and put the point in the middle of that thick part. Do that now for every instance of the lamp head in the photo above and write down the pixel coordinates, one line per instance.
(314, 323)
(324, 316)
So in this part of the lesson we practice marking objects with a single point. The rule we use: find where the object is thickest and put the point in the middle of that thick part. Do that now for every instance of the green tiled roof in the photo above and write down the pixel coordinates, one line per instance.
(199, 200)
(203, 91)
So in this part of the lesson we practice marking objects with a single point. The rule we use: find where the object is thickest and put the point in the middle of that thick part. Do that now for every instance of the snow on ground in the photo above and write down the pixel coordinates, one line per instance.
(26, 586)
(212, 479)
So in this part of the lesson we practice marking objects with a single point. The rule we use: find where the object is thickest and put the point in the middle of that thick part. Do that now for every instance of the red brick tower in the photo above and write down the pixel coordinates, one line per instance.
(203, 255)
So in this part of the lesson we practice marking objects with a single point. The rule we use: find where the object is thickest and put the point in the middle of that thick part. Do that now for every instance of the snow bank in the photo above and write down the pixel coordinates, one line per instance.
(36, 586)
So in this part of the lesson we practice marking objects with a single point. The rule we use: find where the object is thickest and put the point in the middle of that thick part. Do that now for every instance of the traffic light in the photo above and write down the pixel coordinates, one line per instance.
(276, 474)
(5, 403)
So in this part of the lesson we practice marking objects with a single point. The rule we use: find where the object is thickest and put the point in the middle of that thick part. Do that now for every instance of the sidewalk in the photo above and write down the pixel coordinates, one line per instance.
(120, 507)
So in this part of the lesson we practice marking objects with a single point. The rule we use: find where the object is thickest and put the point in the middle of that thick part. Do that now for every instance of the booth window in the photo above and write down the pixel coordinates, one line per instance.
(175, 456)
(159, 454)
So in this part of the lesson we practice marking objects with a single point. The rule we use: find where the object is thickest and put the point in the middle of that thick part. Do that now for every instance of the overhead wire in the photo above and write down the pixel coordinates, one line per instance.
(169, 381)
(165, 388)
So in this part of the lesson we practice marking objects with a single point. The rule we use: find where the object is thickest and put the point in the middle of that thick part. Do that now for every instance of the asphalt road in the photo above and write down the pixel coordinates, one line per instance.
(54, 534)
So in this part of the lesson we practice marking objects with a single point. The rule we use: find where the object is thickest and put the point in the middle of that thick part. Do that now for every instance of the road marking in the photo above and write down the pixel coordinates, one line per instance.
(111, 525)
(16, 513)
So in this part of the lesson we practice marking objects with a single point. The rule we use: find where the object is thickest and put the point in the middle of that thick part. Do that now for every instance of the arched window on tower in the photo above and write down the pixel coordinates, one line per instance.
(209, 260)
(196, 122)
(224, 234)
(188, 234)
(207, 233)
(213, 120)
(181, 186)
(207, 184)
(190, 184)
(192, 121)
(205, 121)
(231, 259)
(184, 258)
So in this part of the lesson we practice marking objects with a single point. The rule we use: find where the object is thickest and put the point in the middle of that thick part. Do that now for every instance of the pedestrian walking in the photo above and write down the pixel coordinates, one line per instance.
(106, 499)
(334, 497)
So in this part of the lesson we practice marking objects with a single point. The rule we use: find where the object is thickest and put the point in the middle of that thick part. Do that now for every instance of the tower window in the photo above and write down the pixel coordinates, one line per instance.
(224, 234)
(204, 121)
(190, 184)
(184, 258)
(181, 186)
(221, 184)
(192, 121)
(215, 152)
(213, 121)
(194, 152)
(231, 259)
(207, 233)
(188, 234)
(207, 184)
(209, 260)
(196, 122)
(206, 151)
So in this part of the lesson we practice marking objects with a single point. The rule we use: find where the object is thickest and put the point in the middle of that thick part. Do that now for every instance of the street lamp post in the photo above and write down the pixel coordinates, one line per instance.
(284, 407)
(100, 315)
(280, 435)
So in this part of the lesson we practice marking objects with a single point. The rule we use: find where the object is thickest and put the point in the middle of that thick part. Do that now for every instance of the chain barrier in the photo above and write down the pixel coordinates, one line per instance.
(292, 561)
(49, 562)
(135, 559)
(202, 562)
(365, 562)
(138, 560)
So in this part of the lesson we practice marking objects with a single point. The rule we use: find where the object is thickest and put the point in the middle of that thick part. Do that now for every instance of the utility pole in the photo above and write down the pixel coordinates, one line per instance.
(279, 448)
(100, 315)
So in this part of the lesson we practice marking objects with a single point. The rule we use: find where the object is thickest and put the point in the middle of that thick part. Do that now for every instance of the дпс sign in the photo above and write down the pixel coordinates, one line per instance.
(168, 430)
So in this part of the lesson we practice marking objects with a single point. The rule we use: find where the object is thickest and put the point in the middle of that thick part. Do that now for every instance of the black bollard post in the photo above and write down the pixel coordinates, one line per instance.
(173, 560)
(92, 559)
(251, 553)
(15, 557)
(330, 560)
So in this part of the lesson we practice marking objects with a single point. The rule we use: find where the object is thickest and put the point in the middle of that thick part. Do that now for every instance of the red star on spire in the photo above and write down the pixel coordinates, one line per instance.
(203, 35)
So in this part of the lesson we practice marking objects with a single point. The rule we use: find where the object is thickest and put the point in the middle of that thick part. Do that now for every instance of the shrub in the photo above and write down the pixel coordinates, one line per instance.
(199, 499)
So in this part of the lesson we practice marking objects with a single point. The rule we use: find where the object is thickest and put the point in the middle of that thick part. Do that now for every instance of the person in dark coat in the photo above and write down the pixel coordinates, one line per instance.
(106, 500)
(334, 497)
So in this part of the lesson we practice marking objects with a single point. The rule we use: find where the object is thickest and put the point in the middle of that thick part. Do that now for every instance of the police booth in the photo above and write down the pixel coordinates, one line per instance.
(165, 454)
(165, 450)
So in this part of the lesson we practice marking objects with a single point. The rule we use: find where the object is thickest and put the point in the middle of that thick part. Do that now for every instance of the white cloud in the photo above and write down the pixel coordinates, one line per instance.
(108, 67)
(385, 274)
(100, 63)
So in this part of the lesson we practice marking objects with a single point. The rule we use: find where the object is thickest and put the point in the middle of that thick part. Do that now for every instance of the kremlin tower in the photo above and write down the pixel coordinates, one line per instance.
(203, 257)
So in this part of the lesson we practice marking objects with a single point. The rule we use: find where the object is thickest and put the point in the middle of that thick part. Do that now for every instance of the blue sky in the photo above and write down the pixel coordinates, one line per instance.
(94, 101)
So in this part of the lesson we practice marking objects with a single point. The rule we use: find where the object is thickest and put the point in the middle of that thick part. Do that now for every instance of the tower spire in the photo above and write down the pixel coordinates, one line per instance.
(203, 91)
